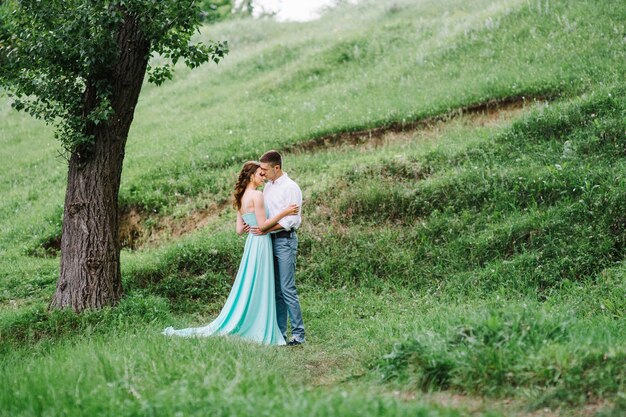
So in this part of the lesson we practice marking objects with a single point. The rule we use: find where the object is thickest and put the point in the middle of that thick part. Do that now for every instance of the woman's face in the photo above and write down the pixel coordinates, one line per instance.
(257, 178)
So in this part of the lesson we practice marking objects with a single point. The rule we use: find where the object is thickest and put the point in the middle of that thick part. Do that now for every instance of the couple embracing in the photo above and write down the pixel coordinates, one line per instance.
(264, 291)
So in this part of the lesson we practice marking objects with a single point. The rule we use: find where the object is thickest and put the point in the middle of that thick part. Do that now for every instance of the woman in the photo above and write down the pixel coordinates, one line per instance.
(250, 310)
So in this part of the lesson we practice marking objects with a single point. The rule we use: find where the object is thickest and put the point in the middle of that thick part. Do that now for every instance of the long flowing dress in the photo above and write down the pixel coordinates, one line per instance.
(250, 309)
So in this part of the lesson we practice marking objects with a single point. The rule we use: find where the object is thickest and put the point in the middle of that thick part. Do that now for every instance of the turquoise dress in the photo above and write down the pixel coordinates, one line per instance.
(250, 310)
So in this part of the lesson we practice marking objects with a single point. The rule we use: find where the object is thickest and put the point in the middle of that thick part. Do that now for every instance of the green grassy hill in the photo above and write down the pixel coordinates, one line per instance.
(464, 176)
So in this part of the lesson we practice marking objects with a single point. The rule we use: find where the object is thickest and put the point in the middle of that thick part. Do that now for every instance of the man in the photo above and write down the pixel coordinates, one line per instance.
(279, 192)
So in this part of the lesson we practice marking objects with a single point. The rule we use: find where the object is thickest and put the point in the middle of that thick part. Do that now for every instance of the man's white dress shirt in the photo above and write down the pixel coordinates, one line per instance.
(278, 195)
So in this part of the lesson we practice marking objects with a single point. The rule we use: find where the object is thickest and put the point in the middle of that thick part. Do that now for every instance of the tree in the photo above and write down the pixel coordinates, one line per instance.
(218, 10)
(80, 65)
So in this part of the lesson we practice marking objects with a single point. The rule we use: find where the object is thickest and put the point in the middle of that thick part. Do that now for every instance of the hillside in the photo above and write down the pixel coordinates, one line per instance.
(464, 177)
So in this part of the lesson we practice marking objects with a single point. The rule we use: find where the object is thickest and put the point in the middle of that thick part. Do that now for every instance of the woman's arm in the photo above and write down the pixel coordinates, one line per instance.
(240, 228)
(259, 210)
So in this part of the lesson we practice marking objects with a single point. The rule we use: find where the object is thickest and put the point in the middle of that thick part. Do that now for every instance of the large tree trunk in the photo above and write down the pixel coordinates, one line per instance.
(90, 249)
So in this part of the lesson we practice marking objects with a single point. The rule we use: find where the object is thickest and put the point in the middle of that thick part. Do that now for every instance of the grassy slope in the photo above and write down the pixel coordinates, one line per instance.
(483, 219)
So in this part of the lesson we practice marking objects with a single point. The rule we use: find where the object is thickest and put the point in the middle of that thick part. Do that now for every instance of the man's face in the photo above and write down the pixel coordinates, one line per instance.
(269, 172)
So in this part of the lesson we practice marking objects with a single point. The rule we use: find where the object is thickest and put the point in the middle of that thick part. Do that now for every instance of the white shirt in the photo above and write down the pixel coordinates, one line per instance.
(278, 195)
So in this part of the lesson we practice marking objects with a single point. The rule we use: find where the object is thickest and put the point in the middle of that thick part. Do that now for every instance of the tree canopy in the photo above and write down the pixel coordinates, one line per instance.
(218, 10)
(52, 51)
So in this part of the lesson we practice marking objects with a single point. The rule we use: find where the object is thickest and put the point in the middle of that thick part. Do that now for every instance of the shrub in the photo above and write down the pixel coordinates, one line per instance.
(506, 348)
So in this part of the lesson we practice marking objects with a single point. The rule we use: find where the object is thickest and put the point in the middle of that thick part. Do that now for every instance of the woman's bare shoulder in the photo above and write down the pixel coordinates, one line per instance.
(249, 200)
(253, 193)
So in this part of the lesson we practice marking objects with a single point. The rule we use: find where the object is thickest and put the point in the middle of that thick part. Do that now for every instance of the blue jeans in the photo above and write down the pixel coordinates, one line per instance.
(285, 250)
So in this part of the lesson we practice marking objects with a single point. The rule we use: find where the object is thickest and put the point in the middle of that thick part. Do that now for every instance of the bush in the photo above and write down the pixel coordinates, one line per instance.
(506, 348)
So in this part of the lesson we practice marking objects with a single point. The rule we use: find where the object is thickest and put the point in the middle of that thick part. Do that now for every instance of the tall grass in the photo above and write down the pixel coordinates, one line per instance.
(131, 369)
(515, 348)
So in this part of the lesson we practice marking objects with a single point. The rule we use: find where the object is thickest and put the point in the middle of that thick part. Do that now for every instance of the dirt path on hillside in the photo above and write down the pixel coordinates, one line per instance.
(483, 114)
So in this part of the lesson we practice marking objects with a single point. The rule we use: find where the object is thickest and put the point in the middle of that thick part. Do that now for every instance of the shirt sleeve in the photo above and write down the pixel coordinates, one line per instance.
(293, 195)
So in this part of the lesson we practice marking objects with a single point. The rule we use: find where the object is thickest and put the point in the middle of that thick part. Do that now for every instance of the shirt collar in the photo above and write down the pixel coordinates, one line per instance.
(281, 178)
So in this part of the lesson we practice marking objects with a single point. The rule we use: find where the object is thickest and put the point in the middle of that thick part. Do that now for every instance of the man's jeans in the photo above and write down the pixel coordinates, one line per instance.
(285, 250)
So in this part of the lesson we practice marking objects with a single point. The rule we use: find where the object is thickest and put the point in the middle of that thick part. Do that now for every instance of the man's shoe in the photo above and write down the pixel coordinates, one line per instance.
(294, 342)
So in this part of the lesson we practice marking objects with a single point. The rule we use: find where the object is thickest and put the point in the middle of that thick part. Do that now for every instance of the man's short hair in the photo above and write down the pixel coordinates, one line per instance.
(273, 158)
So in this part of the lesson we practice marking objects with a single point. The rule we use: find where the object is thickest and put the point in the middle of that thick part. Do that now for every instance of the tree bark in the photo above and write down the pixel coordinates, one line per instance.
(90, 274)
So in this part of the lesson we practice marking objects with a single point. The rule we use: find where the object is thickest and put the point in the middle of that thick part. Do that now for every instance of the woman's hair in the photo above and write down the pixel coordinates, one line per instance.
(273, 158)
(248, 170)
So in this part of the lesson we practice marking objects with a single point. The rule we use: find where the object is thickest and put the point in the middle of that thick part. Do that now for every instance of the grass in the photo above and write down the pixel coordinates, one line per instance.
(478, 254)
(122, 366)
(513, 348)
